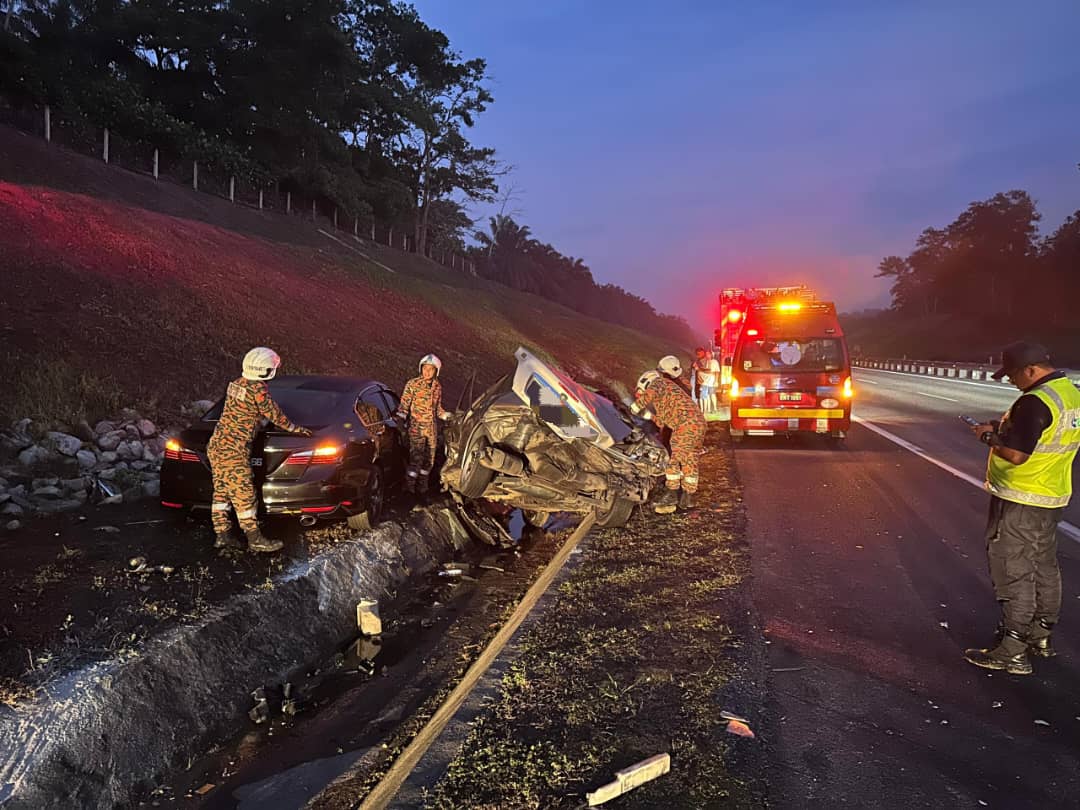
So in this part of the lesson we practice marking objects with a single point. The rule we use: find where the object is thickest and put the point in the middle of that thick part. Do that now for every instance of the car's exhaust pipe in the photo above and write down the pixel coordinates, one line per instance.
(307, 521)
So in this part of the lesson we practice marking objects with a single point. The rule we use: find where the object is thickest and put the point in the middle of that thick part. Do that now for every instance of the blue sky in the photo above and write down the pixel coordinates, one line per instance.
(682, 147)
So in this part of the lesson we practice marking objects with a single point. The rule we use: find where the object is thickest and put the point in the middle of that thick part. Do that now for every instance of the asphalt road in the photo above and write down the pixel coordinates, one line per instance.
(870, 580)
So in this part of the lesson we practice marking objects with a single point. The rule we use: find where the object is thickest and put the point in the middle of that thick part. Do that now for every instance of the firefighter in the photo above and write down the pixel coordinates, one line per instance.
(247, 402)
(672, 407)
(421, 403)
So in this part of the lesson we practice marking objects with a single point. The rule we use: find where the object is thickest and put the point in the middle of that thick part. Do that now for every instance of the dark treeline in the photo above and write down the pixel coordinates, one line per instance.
(357, 104)
(991, 261)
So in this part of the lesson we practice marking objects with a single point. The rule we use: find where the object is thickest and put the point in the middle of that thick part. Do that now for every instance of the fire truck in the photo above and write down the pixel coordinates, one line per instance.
(784, 363)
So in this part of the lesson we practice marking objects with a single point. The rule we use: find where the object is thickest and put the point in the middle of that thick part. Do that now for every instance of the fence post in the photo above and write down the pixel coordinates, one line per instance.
(48, 124)
(335, 217)
(195, 174)
(288, 202)
(356, 226)
(232, 189)
(389, 237)
(155, 164)
(372, 230)
(105, 146)
(260, 199)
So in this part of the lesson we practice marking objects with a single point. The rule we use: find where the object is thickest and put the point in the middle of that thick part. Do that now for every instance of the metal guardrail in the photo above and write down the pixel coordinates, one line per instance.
(979, 372)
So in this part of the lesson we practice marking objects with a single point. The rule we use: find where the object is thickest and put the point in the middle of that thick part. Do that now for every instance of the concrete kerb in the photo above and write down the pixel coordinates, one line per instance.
(114, 728)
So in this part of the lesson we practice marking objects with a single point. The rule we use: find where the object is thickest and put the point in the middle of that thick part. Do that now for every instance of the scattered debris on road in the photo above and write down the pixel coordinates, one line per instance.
(260, 712)
(367, 617)
(740, 729)
(205, 788)
(107, 529)
(1042, 723)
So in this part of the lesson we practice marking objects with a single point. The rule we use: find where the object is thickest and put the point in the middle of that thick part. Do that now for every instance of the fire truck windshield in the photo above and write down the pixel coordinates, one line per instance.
(791, 354)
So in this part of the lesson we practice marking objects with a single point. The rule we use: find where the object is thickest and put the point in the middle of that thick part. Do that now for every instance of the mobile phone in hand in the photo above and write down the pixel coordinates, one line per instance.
(969, 420)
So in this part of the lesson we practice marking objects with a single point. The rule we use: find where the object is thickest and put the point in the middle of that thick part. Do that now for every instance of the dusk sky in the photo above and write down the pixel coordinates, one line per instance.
(686, 146)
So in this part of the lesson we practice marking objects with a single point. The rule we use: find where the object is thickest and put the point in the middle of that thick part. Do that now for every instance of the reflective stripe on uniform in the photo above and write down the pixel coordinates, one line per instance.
(247, 513)
(673, 476)
(690, 479)
(425, 472)
(412, 473)
(1029, 498)
(221, 507)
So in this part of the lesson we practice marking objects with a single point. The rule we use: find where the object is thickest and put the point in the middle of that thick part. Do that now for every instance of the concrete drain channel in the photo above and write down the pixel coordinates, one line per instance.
(333, 719)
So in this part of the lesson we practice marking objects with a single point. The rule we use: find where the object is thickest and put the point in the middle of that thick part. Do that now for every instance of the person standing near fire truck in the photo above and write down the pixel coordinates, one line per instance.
(669, 405)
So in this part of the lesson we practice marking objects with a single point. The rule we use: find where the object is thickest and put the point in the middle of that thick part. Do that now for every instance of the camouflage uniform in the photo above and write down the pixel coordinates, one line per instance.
(370, 418)
(672, 407)
(246, 403)
(421, 402)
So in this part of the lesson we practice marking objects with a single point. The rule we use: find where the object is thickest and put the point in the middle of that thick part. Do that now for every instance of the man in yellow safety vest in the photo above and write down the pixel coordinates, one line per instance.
(1029, 478)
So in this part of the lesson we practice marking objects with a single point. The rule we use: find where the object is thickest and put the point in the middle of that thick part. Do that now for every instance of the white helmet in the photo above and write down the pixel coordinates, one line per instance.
(261, 363)
(430, 360)
(647, 379)
(670, 365)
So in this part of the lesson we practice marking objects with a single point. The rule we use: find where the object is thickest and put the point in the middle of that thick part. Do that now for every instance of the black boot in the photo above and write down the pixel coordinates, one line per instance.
(225, 540)
(666, 503)
(257, 541)
(686, 500)
(1039, 640)
(1010, 655)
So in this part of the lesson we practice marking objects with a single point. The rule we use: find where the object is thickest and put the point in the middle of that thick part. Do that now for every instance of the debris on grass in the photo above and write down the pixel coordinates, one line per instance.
(367, 617)
(629, 778)
(739, 728)
(202, 791)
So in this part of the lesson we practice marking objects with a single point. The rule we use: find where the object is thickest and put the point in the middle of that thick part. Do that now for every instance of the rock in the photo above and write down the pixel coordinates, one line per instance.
(63, 443)
(51, 481)
(113, 499)
(35, 455)
(129, 414)
(140, 465)
(132, 494)
(150, 475)
(84, 432)
(12, 525)
(73, 485)
(111, 440)
(3, 483)
(107, 474)
(109, 457)
(151, 489)
(148, 453)
(86, 459)
(157, 444)
(146, 428)
(15, 492)
(51, 507)
(46, 492)
(130, 450)
(4, 497)
(12, 509)
(200, 407)
(132, 433)
(103, 427)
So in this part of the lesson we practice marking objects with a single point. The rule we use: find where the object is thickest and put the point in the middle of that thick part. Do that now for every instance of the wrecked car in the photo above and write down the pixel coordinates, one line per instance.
(539, 441)
(358, 452)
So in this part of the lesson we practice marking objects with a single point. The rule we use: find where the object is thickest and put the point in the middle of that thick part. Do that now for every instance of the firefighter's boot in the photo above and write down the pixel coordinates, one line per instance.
(225, 540)
(410, 482)
(686, 500)
(1010, 655)
(667, 502)
(1039, 640)
(257, 541)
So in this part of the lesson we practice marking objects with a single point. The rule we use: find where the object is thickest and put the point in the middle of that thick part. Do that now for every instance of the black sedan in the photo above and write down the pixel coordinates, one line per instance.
(344, 470)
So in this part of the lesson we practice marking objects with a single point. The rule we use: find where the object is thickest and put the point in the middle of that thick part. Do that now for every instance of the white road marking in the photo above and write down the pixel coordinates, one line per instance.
(989, 386)
(868, 382)
(1066, 528)
(935, 396)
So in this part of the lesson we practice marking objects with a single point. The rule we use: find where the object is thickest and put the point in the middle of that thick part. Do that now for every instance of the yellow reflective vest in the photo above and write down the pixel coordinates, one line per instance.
(1045, 479)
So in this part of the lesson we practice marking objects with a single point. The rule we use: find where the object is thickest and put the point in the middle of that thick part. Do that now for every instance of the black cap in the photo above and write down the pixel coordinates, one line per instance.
(1019, 355)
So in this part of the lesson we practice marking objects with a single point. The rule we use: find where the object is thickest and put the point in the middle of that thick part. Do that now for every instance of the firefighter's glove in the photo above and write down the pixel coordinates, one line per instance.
(305, 432)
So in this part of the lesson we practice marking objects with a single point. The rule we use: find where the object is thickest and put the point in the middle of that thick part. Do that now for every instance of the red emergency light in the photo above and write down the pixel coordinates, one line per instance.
(734, 316)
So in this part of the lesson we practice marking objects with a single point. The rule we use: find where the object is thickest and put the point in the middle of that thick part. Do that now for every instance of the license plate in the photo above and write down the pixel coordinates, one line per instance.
(788, 397)
(256, 462)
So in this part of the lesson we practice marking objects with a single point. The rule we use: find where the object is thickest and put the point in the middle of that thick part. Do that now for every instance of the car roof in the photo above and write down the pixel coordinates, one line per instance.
(323, 382)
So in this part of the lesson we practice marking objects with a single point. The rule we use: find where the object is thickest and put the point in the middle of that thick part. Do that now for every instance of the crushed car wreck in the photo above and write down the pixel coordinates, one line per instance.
(538, 441)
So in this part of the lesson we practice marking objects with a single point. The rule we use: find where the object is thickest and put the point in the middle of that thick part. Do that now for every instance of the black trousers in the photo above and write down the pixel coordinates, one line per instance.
(1021, 545)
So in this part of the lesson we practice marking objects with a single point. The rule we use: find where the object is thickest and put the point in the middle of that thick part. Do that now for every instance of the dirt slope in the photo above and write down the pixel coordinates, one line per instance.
(118, 289)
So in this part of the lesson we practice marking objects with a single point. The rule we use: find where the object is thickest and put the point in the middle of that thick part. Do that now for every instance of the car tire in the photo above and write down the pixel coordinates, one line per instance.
(537, 518)
(835, 442)
(369, 518)
(474, 476)
(617, 515)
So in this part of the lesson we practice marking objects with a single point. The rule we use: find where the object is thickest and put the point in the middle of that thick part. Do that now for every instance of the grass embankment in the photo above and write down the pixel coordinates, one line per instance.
(110, 297)
(638, 655)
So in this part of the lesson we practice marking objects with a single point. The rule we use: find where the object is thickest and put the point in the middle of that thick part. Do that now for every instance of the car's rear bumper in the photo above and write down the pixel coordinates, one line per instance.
(767, 422)
(285, 498)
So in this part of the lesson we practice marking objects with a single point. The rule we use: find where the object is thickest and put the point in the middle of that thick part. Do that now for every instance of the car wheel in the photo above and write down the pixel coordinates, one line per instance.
(835, 441)
(474, 476)
(369, 518)
(617, 514)
(536, 518)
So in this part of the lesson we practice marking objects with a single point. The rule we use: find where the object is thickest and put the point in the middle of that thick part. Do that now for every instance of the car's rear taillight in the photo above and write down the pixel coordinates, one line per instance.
(174, 451)
(848, 392)
(734, 388)
(327, 454)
